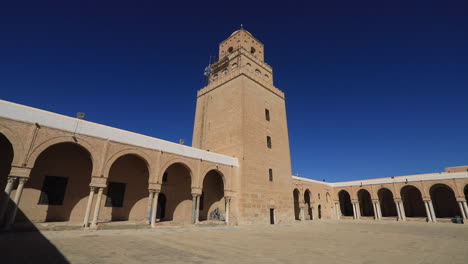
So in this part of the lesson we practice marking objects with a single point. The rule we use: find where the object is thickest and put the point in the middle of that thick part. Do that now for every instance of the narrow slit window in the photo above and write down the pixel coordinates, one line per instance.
(267, 114)
(270, 174)
(269, 142)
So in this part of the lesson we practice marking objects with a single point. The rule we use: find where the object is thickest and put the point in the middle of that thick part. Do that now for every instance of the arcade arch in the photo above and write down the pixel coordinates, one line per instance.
(365, 203)
(212, 195)
(176, 188)
(126, 195)
(444, 201)
(307, 201)
(413, 202)
(297, 209)
(58, 186)
(345, 203)
(387, 203)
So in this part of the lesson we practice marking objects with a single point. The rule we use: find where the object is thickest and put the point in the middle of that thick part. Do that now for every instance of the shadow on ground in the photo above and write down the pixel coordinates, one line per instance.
(32, 247)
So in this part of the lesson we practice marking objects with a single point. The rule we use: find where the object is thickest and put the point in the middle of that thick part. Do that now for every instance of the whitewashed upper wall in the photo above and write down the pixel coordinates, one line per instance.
(33, 115)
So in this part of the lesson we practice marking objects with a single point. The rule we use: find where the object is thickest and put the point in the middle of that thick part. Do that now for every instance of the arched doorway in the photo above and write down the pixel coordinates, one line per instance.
(444, 201)
(413, 202)
(387, 203)
(212, 197)
(6, 158)
(59, 185)
(466, 192)
(296, 204)
(161, 211)
(307, 196)
(127, 190)
(345, 203)
(177, 188)
(365, 203)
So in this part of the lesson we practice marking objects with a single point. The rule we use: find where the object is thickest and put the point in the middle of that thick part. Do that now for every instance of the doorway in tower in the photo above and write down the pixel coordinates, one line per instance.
(296, 205)
(272, 216)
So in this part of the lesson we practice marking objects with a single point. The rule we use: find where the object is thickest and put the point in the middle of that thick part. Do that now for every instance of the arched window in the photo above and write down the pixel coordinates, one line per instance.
(257, 71)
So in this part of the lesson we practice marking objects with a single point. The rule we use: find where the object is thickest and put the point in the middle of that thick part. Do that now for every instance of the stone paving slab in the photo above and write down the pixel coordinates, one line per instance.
(312, 242)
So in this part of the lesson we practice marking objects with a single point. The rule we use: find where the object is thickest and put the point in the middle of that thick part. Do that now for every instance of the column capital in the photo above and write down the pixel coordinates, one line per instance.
(92, 188)
(23, 179)
(97, 185)
(20, 172)
(12, 179)
(427, 200)
(461, 199)
(154, 190)
(196, 190)
(195, 195)
(154, 186)
(397, 200)
(227, 198)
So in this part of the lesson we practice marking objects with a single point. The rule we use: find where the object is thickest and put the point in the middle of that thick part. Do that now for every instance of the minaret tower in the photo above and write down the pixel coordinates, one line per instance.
(241, 113)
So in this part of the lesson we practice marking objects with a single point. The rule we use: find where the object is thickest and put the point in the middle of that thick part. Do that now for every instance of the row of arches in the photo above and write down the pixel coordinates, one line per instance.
(442, 197)
(59, 184)
(307, 211)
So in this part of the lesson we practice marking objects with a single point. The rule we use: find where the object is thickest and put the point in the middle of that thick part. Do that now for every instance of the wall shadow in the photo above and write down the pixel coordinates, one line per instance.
(24, 243)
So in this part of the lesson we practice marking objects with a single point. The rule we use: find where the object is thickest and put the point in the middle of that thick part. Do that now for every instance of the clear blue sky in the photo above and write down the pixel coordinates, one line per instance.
(374, 89)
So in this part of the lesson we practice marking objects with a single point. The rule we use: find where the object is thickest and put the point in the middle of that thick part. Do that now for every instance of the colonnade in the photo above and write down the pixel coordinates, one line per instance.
(400, 209)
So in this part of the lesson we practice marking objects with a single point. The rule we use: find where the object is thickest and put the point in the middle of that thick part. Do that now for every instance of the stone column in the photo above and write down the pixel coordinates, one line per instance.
(358, 210)
(6, 198)
(194, 207)
(302, 213)
(197, 210)
(376, 215)
(16, 201)
(428, 212)
(97, 207)
(466, 208)
(148, 209)
(154, 208)
(397, 205)
(402, 210)
(379, 210)
(88, 206)
(431, 209)
(227, 200)
(462, 210)
(337, 211)
(354, 211)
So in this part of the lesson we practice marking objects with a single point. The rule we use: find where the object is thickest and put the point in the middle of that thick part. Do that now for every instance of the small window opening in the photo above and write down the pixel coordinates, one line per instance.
(231, 49)
(267, 115)
(269, 142)
(252, 50)
(53, 190)
(270, 174)
(115, 194)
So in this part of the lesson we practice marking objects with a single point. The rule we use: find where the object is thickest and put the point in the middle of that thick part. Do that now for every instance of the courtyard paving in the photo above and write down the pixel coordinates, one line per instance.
(311, 242)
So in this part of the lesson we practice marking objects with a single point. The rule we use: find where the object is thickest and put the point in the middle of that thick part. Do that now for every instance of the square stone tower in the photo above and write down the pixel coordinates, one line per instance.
(241, 113)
